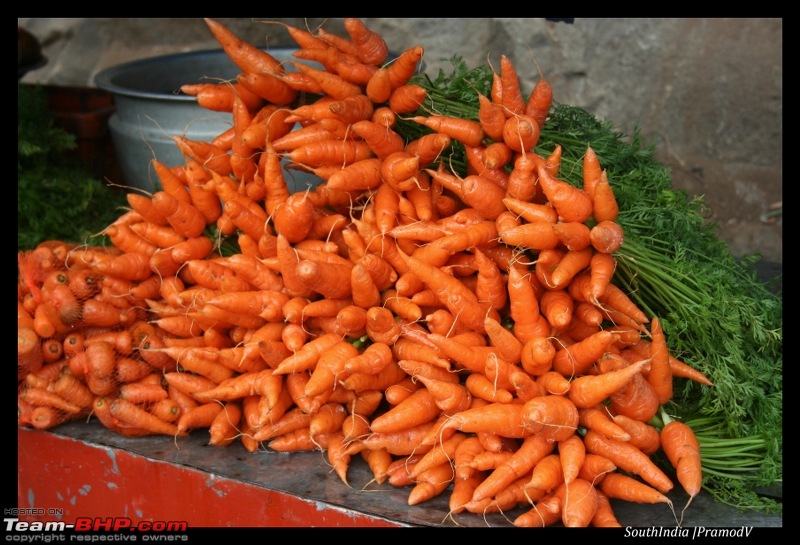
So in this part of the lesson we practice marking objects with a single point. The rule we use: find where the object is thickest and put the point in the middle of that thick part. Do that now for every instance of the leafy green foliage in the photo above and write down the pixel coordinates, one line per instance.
(57, 199)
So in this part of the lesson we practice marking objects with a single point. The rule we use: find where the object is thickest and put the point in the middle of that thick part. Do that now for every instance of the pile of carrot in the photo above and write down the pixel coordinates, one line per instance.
(462, 335)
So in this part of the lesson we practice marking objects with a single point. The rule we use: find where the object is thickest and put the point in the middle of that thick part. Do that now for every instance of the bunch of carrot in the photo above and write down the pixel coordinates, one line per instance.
(458, 333)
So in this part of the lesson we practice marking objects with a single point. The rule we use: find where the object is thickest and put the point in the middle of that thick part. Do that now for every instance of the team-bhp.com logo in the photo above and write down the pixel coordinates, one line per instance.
(123, 527)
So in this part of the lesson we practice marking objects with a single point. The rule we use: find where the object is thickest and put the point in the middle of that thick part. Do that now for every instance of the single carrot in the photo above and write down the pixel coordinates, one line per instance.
(547, 474)
(329, 368)
(660, 375)
(604, 516)
(595, 468)
(607, 236)
(644, 436)
(535, 235)
(243, 54)
(382, 140)
(572, 454)
(557, 306)
(580, 504)
(482, 387)
(416, 409)
(224, 429)
(431, 483)
(327, 419)
(628, 458)
(592, 170)
(370, 46)
(589, 390)
(379, 87)
(577, 358)
(597, 418)
(623, 487)
(539, 102)
(635, 400)
(468, 132)
(184, 217)
(552, 417)
(331, 152)
(521, 133)
(332, 84)
(572, 203)
(407, 99)
(359, 175)
(680, 444)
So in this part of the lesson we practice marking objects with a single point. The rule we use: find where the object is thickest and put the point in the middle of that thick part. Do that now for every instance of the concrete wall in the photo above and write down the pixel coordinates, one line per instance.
(708, 92)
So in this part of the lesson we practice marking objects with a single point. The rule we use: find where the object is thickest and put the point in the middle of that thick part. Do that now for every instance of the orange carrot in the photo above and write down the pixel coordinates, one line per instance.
(571, 203)
(623, 487)
(133, 415)
(545, 512)
(468, 132)
(359, 175)
(244, 55)
(557, 306)
(592, 171)
(332, 85)
(458, 298)
(628, 458)
(660, 375)
(382, 140)
(547, 474)
(580, 504)
(604, 516)
(572, 454)
(370, 46)
(682, 448)
(607, 236)
(589, 390)
(539, 102)
(577, 358)
(521, 133)
(184, 217)
(552, 417)
(431, 483)
(532, 450)
(535, 235)
(224, 428)
(307, 357)
(642, 435)
(595, 468)
(596, 418)
(416, 409)
(327, 152)
(379, 87)
(407, 99)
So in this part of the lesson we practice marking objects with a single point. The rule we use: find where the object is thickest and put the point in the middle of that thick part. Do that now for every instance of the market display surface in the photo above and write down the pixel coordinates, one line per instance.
(491, 300)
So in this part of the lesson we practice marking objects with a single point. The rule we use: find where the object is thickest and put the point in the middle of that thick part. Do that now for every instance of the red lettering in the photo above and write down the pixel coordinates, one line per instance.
(106, 525)
(121, 523)
(83, 524)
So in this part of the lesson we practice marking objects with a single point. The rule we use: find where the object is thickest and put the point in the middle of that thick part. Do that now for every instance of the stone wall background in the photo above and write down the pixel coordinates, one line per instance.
(707, 92)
